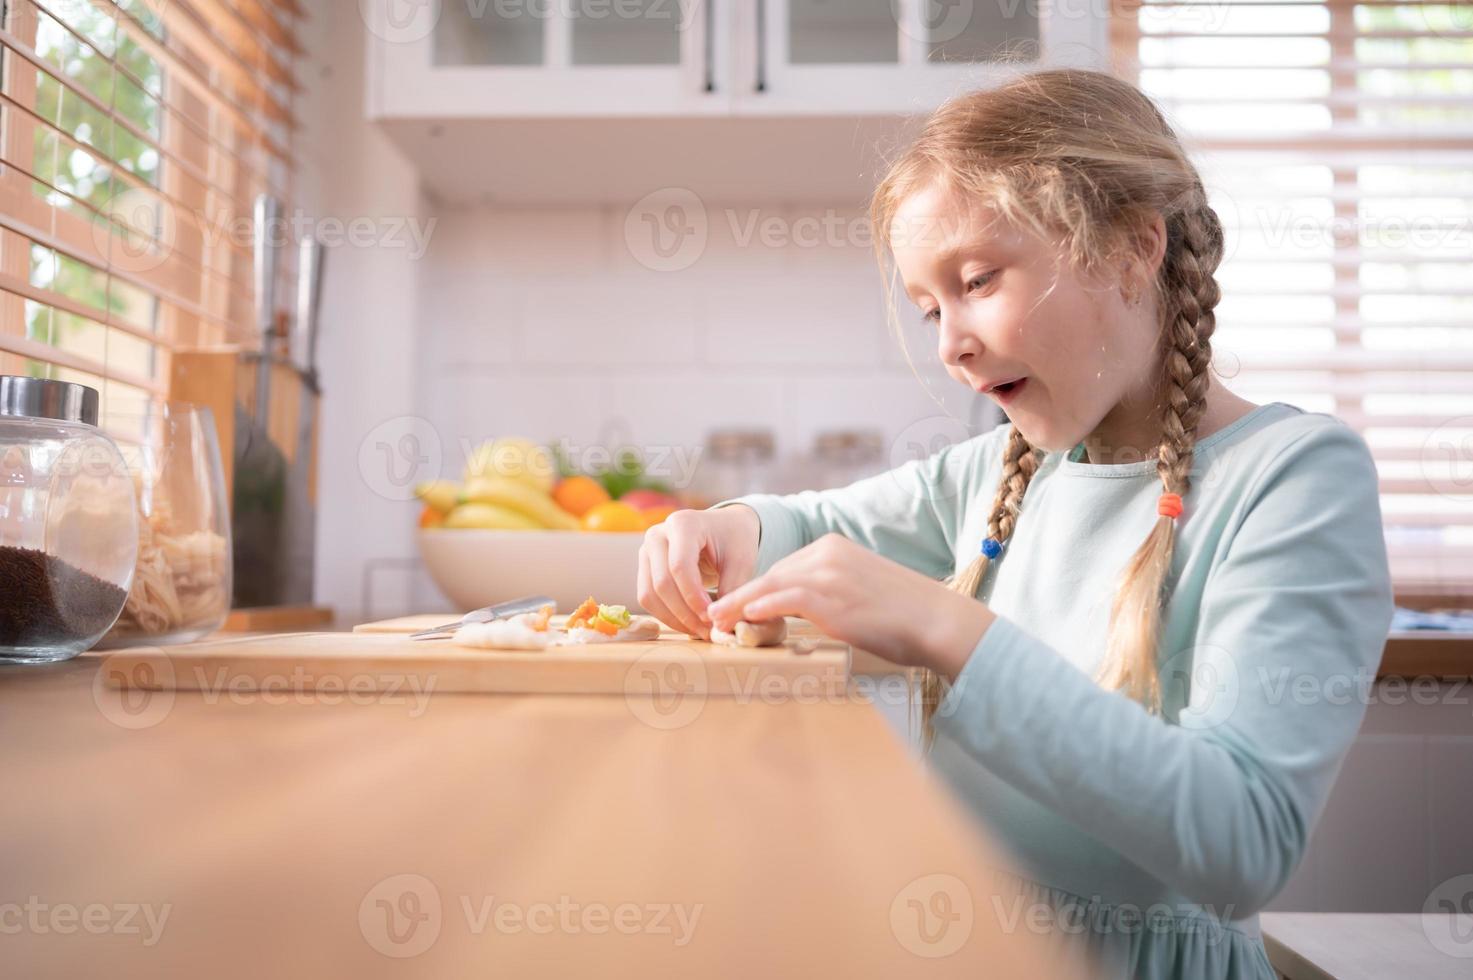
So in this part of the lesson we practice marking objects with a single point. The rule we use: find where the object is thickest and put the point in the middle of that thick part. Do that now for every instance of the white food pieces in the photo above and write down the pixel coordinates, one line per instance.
(767, 633)
(515, 633)
(640, 628)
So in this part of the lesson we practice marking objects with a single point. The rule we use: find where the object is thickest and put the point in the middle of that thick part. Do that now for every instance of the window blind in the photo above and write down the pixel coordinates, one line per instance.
(134, 137)
(1336, 141)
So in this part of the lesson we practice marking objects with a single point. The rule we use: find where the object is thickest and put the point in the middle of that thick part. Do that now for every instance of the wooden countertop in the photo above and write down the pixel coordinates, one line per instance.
(1424, 653)
(474, 835)
(1349, 946)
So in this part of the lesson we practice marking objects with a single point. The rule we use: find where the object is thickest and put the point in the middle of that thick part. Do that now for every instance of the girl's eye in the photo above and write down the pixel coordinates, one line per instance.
(978, 282)
(974, 284)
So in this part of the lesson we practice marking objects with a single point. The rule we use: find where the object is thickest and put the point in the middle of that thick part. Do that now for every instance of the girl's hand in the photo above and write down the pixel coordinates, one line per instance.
(690, 550)
(862, 598)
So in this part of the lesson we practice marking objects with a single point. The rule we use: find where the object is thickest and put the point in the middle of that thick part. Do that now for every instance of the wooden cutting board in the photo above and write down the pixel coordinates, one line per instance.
(368, 662)
(861, 662)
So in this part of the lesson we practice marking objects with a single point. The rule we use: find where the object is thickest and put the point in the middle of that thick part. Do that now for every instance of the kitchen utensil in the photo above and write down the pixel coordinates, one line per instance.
(359, 664)
(265, 252)
(68, 524)
(309, 300)
(485, 614)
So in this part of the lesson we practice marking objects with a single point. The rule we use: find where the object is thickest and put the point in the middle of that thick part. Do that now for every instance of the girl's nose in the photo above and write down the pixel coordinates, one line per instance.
(956, 344)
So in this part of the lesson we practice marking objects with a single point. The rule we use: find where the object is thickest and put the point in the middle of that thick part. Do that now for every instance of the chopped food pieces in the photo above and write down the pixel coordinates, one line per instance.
(589, 623)
(640, 629)
(767, 633)
(586, 610)
(527, 631)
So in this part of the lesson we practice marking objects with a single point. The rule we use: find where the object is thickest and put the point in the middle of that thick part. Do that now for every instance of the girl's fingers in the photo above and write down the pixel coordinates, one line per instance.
(685, 571)
(795, 601)
(651, 602)
(646, 592)
(731, 607)
(665, 588)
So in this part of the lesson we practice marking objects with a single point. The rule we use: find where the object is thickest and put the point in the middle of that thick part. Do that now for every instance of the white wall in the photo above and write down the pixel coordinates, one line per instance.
(370, 315)
(544, 323)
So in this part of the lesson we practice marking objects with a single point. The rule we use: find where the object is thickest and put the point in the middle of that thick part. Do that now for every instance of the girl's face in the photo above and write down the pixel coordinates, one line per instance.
(1066, 358)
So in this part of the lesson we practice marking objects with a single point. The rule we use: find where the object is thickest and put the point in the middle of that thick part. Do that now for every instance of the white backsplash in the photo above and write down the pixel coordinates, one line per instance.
(544, 323)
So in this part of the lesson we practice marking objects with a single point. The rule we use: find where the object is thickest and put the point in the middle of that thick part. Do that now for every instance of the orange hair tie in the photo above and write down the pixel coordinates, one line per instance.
(1169, 505)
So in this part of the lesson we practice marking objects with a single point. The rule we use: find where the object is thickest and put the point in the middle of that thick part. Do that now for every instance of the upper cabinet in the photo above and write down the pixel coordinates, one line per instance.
(525, 59)
(901, 56)
(520, 59)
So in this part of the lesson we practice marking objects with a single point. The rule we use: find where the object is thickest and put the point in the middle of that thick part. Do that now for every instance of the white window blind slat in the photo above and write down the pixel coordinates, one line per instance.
(134, 137)
(1336, 140)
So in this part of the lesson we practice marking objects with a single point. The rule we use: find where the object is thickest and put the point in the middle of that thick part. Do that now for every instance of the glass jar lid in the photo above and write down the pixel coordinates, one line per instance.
(42, 398)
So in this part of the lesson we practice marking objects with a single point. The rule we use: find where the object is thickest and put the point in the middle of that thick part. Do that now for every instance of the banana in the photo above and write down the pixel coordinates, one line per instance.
(504, 491)
(516, 459)
(442, 495)
(490, 517)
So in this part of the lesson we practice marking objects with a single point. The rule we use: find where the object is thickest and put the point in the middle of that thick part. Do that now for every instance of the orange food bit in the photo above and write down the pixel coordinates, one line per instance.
(586, 611)
(605, 627)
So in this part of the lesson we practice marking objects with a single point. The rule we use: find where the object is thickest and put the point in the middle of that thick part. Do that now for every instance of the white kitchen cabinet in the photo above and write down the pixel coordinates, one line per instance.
(536, 102)
(522, 59)
(527, 59)
(827, 57)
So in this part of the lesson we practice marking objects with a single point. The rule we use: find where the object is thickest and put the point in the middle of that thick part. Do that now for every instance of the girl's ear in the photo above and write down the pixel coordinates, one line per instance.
(1144, 253)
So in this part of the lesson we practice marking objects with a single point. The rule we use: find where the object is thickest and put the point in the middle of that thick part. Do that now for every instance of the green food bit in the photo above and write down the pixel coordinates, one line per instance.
(618, 615)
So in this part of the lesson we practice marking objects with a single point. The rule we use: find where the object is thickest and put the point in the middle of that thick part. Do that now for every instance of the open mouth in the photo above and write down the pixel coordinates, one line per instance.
(1008, 389)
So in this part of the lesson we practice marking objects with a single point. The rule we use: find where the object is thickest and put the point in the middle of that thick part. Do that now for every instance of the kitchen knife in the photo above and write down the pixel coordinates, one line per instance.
(484, 615)
(309, 301)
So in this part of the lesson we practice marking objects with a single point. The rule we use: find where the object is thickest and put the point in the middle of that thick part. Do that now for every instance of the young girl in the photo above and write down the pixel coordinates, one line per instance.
(1160, 599)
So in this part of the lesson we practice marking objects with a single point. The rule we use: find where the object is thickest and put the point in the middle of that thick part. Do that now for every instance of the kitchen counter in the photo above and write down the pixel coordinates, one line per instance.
(288, 835)
(1358, 946)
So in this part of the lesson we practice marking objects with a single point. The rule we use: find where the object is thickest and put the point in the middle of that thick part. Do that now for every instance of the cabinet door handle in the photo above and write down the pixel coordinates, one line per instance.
(710, 46)
(761, 46)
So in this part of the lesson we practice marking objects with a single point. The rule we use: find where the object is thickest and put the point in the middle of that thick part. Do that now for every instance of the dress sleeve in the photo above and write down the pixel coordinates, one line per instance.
(910, 514)
(1219, 800)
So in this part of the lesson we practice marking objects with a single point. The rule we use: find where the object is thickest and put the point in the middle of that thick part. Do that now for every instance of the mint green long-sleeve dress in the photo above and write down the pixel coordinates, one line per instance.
(1154, 840)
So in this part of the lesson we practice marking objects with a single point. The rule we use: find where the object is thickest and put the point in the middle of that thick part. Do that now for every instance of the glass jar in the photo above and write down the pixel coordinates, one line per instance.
(68, 526)
(181, 588)
(737, 462)
(842, 456)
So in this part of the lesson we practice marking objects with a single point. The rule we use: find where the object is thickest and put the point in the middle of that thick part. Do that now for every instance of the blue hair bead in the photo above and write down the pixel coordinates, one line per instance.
(991, 547)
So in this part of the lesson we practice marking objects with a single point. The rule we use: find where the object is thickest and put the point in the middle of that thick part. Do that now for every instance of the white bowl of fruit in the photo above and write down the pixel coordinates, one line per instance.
(519, 524)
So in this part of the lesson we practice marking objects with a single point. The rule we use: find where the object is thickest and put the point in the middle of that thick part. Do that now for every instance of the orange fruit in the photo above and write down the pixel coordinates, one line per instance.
(579, 494)
(613, 516)
(655, 515)
(430, 517)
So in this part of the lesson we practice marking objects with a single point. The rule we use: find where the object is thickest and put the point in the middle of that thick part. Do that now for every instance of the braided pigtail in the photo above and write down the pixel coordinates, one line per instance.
(1084, 161)
(1019, 463)
(1189, 293)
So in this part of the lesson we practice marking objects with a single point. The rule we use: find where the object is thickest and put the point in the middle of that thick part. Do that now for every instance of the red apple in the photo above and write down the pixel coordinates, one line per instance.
(648, 499)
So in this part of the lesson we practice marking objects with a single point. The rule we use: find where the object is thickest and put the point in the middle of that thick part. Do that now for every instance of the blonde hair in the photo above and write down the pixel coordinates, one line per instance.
(1086, 161)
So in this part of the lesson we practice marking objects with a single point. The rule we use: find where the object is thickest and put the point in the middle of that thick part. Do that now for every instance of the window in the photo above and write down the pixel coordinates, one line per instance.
(1336, 141)
(134, 136)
